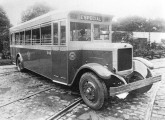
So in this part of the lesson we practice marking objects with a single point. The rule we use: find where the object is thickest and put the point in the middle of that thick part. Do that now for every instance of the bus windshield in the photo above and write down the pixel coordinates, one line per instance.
(80, 31)
(101, 32)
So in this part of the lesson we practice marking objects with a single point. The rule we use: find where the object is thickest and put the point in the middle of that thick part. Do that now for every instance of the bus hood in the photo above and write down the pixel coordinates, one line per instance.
(105, 46)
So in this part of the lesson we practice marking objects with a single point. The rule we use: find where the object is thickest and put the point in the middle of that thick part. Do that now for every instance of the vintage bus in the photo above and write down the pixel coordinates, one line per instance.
(74, 48)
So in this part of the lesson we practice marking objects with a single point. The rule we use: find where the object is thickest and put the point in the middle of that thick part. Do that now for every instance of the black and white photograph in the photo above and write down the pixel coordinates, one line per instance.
(82, 60)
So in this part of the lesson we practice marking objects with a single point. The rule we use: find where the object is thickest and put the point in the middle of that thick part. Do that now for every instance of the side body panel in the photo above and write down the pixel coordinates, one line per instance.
(45, 62)
(103, 58)
(50, 62)
(74, 63)
(39, 61)
(59, 64)
(82, 57)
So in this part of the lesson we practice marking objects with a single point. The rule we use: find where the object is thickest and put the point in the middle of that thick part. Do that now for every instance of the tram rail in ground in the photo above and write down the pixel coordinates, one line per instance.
(64, 111)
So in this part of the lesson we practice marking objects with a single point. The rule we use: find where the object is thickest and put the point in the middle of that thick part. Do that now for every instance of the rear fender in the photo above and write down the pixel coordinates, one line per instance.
(21, 58)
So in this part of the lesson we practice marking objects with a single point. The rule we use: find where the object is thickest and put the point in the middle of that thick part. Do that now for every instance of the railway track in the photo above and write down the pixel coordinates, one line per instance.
(25, 75)
(22, 98)
(65, 110)
(56, 116)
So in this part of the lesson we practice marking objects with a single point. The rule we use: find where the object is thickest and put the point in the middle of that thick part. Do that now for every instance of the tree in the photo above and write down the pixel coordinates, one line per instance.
(139, 24)
(132, 23)
(4, 31)
(35, 11)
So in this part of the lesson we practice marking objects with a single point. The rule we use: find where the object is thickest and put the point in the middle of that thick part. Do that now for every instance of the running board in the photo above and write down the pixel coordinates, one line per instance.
(134, 85)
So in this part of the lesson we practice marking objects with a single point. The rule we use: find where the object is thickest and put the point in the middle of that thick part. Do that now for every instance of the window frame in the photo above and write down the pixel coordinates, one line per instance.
(97, 23)
(11, 38)
(36, 27)
(78, 21)
(30, 42)
(45, 25)
(17, 42)
(58, 27)
(66, 32)
(23, 40)
(40, 26)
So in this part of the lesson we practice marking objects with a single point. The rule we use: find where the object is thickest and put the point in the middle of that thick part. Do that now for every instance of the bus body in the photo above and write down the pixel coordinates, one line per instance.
(75, 48)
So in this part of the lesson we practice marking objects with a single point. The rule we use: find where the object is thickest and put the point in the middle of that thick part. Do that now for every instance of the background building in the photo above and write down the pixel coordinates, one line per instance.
(151, 36)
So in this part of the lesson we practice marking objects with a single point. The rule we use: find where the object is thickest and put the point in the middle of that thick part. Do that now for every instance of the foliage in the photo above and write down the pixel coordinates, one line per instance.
(35, 11)
(139, 24)
(4, 31)
(141, 47)
(122, 37)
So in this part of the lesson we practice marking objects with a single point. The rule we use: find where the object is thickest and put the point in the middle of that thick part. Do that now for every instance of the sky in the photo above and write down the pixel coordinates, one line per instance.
(150, 9)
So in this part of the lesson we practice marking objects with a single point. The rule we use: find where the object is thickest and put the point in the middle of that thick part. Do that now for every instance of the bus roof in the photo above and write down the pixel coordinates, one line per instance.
(50, 16)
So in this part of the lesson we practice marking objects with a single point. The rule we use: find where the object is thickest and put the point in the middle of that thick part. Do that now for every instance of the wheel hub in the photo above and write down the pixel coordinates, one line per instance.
(90, 91)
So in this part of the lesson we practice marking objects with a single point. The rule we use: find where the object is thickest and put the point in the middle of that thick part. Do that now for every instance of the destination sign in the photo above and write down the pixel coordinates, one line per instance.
(91, 18)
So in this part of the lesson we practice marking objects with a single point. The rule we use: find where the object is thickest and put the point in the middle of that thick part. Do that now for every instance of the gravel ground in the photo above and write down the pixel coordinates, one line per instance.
(41, 106)
(16, 85)
(130, 108)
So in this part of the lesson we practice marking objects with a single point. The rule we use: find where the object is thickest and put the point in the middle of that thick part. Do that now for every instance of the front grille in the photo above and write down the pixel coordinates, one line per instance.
(124, 59)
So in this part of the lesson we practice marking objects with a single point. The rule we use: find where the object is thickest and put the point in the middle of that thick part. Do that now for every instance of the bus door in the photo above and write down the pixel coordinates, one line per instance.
(43, 56)
(59, 52)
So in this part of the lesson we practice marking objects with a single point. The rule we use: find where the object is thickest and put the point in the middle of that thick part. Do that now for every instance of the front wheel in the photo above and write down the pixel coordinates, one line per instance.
(93, 90)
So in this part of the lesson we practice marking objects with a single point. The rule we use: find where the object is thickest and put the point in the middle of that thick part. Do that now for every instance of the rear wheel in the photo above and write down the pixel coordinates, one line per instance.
(136, 77)
(93, 90)
(19, 64)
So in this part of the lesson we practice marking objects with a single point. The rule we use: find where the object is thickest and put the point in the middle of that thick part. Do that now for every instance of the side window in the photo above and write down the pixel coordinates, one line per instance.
(11, 39)
(17, 38)
(22, 37)
(46, 35)
(36, 36)
(55, 33)
(28, 37)
(62, 32)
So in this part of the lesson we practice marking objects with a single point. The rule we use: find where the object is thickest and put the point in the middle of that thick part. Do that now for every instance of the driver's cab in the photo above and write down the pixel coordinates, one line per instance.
(89, 27)
(87, 33)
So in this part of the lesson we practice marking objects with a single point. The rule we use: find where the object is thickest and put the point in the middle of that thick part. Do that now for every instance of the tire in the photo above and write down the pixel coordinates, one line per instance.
(136, 77)
(20, 65)
(93, 90)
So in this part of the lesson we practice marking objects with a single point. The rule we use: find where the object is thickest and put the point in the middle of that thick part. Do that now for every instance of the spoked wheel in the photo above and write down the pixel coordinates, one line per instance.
(19, 64)
(136, 77)
(93, 90)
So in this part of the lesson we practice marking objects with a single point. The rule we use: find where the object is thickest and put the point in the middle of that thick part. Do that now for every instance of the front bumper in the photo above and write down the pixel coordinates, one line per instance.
(134, 85)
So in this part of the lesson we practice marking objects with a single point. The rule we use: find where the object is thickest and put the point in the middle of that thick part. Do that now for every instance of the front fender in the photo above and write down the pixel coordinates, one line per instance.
(145, 62)
(140, 67)
(101, 71)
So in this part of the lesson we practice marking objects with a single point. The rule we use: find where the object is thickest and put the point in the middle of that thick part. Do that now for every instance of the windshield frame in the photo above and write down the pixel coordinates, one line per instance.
(92, 30)
(96, 23)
